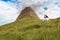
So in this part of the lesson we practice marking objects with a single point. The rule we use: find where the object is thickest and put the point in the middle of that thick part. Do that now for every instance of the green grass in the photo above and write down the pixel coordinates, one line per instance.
(31, 29)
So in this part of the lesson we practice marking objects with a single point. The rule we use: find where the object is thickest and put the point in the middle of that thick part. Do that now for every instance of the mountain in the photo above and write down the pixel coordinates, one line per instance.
(31, 28)
(27, 12)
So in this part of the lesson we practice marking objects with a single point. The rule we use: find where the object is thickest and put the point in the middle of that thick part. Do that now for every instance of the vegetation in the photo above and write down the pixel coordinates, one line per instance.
(31, 29)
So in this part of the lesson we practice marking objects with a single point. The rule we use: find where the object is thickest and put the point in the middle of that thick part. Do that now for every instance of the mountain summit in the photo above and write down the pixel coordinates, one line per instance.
(27, 12)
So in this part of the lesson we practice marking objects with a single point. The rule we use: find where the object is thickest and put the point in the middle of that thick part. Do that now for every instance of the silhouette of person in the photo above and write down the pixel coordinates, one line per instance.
(45, 18)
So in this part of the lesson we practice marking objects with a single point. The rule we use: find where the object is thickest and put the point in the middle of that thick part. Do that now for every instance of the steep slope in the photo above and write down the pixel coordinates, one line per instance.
(27, 12)
(31, 29)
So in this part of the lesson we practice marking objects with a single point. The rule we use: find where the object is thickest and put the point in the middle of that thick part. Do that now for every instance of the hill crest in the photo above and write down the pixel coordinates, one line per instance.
(27, 12)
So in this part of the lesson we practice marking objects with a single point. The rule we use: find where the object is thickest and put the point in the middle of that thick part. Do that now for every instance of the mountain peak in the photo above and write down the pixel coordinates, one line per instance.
(27, 12)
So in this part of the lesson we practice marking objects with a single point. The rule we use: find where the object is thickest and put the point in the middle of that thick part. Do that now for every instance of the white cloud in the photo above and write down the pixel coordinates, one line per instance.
(53, 10)
(8, 13)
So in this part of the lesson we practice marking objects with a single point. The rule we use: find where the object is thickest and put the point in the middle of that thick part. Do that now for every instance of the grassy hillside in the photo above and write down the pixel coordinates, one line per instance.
(31, 29)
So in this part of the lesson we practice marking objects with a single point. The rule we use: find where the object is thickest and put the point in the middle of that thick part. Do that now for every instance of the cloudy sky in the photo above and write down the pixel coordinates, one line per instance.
(10, 9)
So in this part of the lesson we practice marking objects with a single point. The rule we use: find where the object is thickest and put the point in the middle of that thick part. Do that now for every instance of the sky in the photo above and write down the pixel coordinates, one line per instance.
(10, 9)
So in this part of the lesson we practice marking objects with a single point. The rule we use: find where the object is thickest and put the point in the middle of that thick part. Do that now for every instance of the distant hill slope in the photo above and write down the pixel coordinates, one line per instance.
(27, 12)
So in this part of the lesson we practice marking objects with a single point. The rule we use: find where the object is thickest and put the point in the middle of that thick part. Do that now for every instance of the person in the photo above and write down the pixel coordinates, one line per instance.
(45, 18)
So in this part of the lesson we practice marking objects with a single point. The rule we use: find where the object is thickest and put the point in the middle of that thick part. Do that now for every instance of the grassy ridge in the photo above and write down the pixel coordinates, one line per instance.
(31, 29)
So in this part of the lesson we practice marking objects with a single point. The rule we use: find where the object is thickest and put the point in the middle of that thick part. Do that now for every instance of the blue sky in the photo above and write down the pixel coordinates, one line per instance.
(5, 0)
(10, 9)
(9, 0)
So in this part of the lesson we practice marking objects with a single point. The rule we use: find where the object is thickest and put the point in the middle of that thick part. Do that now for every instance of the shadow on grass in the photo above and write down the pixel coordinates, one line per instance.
(36, 26)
